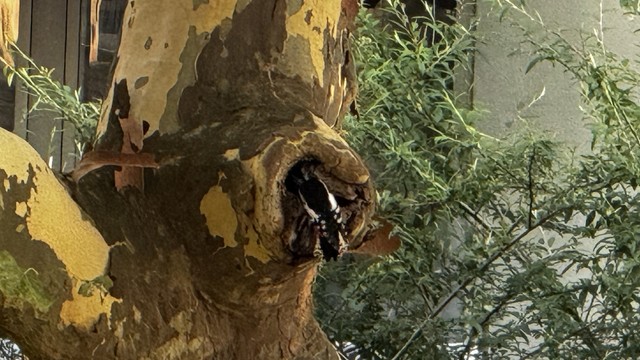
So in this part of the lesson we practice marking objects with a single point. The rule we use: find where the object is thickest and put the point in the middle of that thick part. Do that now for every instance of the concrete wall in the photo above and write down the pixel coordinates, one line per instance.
(502, 87)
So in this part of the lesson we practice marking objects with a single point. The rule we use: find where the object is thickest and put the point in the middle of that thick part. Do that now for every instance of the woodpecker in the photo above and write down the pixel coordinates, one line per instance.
(323, 211)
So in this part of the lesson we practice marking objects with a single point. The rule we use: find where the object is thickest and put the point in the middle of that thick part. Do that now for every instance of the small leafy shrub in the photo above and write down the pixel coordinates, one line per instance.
(52, 96)
(512, 248)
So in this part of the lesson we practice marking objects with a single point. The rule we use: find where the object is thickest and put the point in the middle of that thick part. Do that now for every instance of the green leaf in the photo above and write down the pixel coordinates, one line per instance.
(590, 217)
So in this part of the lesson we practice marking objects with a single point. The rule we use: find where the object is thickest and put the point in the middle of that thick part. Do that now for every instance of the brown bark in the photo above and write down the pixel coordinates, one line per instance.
(213, 259)
(9, 19)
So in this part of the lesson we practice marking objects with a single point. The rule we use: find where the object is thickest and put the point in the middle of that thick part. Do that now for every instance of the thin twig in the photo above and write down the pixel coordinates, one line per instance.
(473, 333)
(474, 215)
(453, 294)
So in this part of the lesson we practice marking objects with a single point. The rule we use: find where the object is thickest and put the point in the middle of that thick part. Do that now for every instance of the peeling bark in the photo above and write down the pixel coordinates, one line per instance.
(9, 19)
(212, 259)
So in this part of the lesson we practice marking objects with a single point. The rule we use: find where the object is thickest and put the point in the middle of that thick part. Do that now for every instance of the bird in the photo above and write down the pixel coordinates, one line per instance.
(322, 209)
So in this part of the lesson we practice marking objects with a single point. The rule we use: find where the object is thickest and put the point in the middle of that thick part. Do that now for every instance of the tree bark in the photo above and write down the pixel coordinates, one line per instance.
(9, 19)
(205, 254)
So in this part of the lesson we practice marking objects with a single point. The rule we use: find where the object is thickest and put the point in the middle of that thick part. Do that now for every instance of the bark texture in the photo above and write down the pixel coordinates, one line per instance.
(9, 18)
(206, 254)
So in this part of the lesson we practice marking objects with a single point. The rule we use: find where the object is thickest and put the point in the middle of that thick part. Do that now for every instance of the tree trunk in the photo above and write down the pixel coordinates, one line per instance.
(204, 253)
(10, 15)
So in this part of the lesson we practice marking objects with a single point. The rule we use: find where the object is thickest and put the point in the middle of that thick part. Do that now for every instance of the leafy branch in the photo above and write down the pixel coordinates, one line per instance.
(478, 215)
(52, 96)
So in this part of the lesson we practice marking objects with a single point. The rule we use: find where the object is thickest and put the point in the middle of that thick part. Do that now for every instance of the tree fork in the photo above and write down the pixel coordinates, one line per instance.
(201, 261)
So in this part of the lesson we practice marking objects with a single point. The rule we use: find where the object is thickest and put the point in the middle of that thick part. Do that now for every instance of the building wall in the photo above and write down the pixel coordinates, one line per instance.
(502, 87)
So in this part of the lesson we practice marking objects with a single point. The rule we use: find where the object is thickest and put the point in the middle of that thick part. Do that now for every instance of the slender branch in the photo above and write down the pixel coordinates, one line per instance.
(474, 215)
(530, 186)
(423, 293)
(539, 349)
(463, 285)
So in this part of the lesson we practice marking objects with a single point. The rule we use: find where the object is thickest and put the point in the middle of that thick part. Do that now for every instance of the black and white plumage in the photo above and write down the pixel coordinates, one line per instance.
(323, 211)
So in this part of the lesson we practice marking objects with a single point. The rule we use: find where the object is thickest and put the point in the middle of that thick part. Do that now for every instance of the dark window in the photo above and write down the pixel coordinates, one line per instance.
(7, 105)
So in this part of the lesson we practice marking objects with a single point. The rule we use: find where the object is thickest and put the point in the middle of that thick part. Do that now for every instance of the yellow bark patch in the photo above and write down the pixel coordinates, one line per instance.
(232, 154)
(73, 238)
(160, 37)
(84, 311)
(181, 322)
(21, 209)
(55, 219)
(310, 22)
(242, 4)
(9, 23)
(75, 242)
(52, 216)
(11, 164)
(221, 217)
(254, 249)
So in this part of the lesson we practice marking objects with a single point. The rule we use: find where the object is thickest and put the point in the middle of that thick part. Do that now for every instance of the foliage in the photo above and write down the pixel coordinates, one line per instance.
(631, 6)
(512, 248)
(101, 283)
(53, 96)
(20, 286)
(9, 351)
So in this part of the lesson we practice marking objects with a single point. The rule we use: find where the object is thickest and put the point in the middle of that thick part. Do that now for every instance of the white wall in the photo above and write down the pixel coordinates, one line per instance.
(502, 87)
